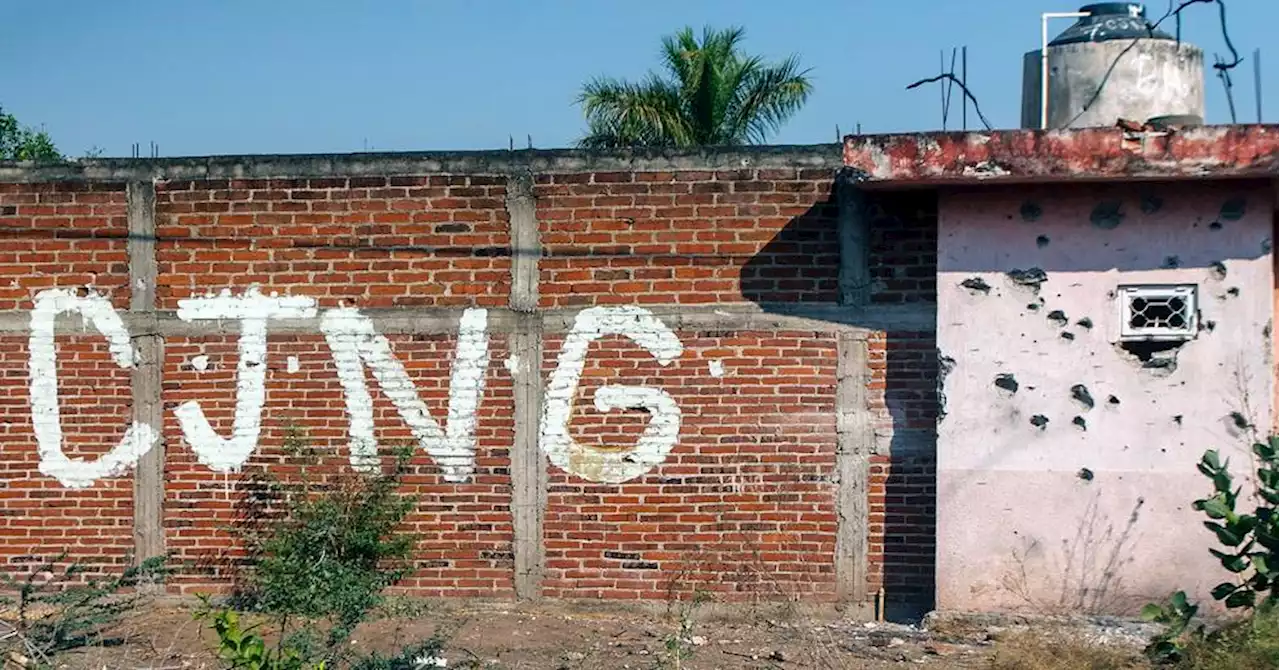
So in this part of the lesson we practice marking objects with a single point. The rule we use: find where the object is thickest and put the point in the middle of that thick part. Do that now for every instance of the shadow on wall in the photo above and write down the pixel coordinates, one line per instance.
(800, 265)
(1100, 227)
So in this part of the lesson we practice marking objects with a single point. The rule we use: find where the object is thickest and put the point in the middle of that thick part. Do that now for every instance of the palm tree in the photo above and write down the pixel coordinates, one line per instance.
(712, 95)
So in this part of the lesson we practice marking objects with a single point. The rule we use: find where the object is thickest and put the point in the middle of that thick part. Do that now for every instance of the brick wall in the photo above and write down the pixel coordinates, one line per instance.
(743, 505)
(60, 235)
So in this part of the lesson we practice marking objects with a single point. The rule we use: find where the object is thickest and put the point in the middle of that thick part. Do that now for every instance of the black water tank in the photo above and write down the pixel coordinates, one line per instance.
(1111, 21)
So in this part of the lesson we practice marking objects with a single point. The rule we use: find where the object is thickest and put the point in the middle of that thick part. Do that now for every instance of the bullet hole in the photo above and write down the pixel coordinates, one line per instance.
(1216, 225)
(1030, 211)
(1080, 393)
(1042, 241)
(1085, 474)
(1031, 277)
(1058, 317)
(946, 365)
(1158, 357)
(1240, 421)
(1040, 421)
(1234, 292)
(1107, 215)
(1150, 204)
(1068, 336)
(1007, 382)
(1208, 325)
(1033, 306)
(1232, 210)
(1218, 269)
(1085, 323)
(976, 285)
(1171, 262)
(1080, 422)
(1177, 418)
(1112, 400)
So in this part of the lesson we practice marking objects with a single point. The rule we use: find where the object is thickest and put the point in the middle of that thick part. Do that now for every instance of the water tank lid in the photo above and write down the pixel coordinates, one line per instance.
(1110, 21)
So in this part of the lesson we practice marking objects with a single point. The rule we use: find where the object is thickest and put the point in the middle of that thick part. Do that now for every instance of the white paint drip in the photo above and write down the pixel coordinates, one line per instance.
(253, 310)
(45, 416)
(659, 436)
(716, 369)
(355, 343)
(292, 365)
(200, 363)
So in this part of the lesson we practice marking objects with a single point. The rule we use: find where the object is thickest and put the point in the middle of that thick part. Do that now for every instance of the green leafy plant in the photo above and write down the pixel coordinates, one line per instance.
(243, 649)
(335, 549)
(58, 610)
(1176, 614)
(1251, 642)
(320, 553)
(1250, 539)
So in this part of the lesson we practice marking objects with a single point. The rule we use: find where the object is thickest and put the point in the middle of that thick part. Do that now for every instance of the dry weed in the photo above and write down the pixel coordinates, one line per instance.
(1058, 649)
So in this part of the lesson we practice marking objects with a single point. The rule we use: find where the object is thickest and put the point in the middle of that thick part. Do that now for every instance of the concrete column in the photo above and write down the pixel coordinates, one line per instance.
(148, 480)
(528, 464)
(854, 232)
(855, 437)
(855, 431)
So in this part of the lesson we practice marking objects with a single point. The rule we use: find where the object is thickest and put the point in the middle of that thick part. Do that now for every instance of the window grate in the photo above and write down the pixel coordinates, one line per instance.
(1157, 312)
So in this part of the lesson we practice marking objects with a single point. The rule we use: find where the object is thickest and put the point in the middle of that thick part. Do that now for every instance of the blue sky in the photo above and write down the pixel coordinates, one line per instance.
(291, 76)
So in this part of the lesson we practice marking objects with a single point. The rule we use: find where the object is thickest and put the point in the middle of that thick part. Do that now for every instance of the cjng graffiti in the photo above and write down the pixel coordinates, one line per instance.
(355, 345)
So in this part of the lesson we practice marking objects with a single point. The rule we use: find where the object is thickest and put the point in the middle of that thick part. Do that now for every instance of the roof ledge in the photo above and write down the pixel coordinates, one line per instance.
(1023, 156)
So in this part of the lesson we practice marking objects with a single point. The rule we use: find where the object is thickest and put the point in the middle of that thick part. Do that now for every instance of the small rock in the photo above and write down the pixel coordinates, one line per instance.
(896, 642)
(574, 656)
(779, 656)
(698, 640)
(941, 648)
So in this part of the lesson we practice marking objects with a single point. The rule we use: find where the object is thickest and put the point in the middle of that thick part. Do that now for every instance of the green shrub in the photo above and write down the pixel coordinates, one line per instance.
(333, 549)
(1250, 554)
(320, 555)
(1176, 615)
(1250, 539)
(1248, 644)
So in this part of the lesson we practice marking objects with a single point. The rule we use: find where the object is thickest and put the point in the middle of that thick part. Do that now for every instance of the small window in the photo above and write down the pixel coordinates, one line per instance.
(1157, 312)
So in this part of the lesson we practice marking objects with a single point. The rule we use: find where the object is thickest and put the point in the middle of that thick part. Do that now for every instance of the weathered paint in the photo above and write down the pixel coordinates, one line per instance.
(651, 448)
(46, 420)
(1097, 154)
(1037, 510)
(252, 310)
(355, 343)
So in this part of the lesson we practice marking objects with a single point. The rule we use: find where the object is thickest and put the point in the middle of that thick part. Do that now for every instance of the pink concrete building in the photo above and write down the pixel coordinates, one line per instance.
(1106, 308)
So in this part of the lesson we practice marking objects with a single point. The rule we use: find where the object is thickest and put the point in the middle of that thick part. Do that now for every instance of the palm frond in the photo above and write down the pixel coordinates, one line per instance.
(769, 96)
(711, 94)
(624, 114)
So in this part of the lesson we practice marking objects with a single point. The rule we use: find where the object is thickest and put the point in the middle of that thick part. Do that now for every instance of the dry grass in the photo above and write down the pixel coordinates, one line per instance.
(1060, 649)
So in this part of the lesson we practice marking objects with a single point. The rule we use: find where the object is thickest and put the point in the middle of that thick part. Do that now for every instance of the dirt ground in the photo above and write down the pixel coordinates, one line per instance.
(576, 636)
